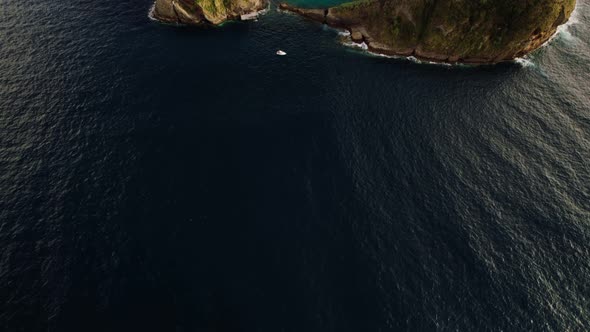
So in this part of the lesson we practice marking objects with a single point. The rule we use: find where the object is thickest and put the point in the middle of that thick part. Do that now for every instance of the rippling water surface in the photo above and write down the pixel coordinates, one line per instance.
(155, 178)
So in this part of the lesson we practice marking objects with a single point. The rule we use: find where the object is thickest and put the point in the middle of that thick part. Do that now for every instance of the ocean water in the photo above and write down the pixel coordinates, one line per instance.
(160, 178)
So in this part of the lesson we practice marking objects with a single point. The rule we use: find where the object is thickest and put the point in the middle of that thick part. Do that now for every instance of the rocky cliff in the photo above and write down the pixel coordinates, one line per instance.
(474, 31)
(205, 12)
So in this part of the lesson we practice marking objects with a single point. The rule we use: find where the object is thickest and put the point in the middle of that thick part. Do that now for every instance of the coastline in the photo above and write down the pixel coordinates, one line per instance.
(251, 16)
(523, 61)
(359, 38)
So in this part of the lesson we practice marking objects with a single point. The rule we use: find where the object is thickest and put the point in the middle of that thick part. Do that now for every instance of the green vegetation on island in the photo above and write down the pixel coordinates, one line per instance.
(479, 31)
(205, 12)
(473, 31)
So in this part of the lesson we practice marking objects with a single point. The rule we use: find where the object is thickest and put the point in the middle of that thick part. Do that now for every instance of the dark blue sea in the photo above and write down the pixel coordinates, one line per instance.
(163, 178)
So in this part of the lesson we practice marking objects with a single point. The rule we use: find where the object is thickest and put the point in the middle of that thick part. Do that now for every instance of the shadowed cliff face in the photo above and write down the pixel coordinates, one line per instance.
(197, 12)
(449, 30)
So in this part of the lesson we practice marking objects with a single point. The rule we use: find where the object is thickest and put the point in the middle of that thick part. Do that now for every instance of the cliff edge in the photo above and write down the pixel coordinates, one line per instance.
(471, 31)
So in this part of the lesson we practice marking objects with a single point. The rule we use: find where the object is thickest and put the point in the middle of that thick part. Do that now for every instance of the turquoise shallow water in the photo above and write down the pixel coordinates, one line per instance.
(158, 178)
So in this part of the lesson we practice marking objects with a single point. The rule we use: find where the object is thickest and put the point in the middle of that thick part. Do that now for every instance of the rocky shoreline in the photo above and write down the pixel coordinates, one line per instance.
(206, 12)
(361, 25)
(444, 31)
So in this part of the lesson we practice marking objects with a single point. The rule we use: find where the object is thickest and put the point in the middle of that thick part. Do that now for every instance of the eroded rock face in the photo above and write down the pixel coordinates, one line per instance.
(477, 31)
(205, 12)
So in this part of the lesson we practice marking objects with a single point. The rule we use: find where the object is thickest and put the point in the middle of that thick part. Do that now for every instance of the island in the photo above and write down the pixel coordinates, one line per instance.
(454, 31)
(206, 12)
(468, 31)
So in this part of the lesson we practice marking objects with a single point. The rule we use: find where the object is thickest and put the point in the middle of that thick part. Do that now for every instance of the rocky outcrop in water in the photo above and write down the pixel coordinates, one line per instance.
(471, 31)
(206, 12)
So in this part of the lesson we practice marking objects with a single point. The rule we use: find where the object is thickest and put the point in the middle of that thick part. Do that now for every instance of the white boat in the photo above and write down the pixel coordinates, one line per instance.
(281, 52)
